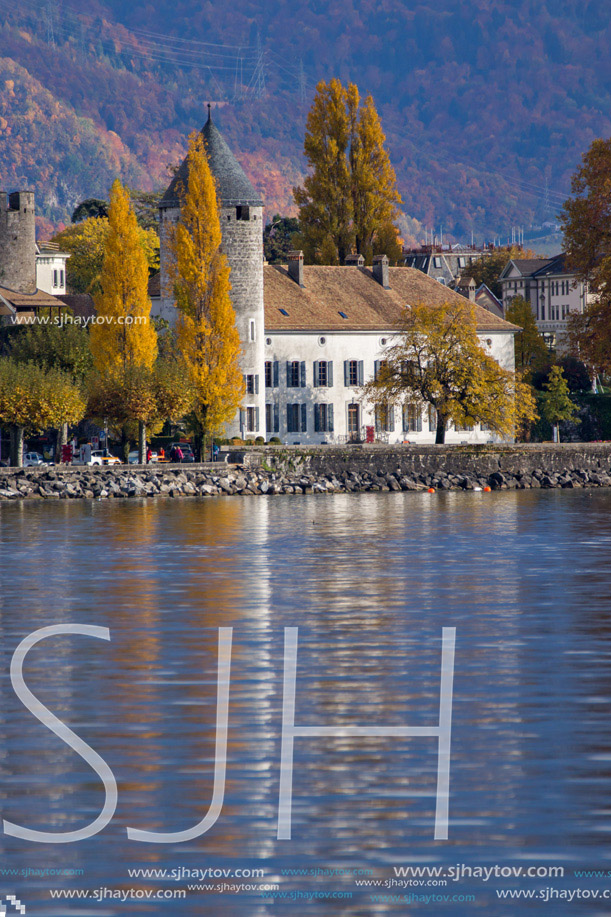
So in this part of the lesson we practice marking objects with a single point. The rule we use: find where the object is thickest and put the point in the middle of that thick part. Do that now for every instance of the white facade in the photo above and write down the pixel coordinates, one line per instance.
(51, 268)
(553, 294)
(294, 411)
(311, 336)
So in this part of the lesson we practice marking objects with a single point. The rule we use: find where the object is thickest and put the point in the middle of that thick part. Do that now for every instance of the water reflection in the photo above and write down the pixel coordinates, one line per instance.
(370, 580)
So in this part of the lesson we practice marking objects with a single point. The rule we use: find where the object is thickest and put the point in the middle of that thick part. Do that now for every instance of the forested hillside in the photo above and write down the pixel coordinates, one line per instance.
(485, 116)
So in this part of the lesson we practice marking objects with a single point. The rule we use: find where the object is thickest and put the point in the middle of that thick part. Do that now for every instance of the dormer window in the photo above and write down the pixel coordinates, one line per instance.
(242, 212)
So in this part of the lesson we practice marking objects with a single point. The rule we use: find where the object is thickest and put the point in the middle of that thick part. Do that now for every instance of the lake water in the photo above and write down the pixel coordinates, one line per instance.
(370, 581)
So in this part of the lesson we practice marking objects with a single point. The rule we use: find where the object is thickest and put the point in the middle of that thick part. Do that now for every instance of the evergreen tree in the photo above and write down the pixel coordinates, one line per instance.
(126, 342)
(350, 197)
(278, 238)
(556, 401)
(92, 207)
(207, 336)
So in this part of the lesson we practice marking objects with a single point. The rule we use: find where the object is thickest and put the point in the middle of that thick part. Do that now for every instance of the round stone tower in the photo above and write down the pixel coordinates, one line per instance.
(241, 216)
(18, 241)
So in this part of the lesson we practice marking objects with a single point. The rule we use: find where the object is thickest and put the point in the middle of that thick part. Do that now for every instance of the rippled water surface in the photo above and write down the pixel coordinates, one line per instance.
(370, 581)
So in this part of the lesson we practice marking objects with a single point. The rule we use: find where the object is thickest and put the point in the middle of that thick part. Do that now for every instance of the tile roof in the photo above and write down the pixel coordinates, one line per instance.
(80, 303)
(37, 300)
(528, 266)
(155, 284)
(327, 291)
(233, 186)
(556, 265)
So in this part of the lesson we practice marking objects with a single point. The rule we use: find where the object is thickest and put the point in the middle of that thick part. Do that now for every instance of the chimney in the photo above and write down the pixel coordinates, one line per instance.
(380, 270)
(357, 260)
(296, 267)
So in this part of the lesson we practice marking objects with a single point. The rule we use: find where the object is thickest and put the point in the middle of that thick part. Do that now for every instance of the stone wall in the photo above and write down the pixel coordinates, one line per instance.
(325, 470)
(451, 459)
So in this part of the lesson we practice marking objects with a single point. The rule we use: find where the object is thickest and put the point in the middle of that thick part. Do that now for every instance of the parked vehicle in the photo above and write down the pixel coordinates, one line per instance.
(88, 456)
(185, 448)
(102, 457)
(134, 458)
(31, 459)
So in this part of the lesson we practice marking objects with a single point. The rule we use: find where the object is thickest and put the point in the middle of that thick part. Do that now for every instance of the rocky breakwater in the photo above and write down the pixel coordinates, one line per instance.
(57, 483)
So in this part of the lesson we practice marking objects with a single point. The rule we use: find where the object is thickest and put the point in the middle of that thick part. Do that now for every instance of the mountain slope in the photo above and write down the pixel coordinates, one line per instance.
(487, 104)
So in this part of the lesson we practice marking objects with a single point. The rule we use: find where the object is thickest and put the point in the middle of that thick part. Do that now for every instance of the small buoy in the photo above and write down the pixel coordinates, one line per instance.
(487, 489)
(431, 490)
(477, 488)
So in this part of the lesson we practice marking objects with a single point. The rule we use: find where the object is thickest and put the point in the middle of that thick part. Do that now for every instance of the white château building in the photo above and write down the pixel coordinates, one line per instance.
(311, 336)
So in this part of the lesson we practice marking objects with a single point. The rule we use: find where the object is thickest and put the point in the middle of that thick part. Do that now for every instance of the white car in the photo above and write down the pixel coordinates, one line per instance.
(101, 457)
(30, 459)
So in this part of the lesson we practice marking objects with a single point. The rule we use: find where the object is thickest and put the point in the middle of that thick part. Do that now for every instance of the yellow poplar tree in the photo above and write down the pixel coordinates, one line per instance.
(123, 339)
(349, 200)
(207, 336)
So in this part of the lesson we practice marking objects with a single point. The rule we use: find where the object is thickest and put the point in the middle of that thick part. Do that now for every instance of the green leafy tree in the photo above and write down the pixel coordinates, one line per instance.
(92, 207)
(576, 373)
(530, 348)
(556, 401)
(63, 347)
(146, 207)
(85, 243)
(437, 360)
(53, 347)
(278, 238)
(488, 268)
(140, 395)
(350, 198)
(33, 398)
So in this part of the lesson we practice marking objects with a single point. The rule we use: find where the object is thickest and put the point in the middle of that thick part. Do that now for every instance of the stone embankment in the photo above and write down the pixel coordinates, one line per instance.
(262, 473)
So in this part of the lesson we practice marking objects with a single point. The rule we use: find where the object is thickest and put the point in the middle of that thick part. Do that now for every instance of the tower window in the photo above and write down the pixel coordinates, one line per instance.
(242, 212)
(252, 330)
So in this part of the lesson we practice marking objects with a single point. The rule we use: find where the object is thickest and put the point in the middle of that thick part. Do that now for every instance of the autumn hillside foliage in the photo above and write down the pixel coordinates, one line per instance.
(479, 98)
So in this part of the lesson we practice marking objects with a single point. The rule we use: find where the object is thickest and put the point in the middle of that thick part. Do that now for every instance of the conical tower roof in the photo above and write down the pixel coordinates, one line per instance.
(233, 186)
